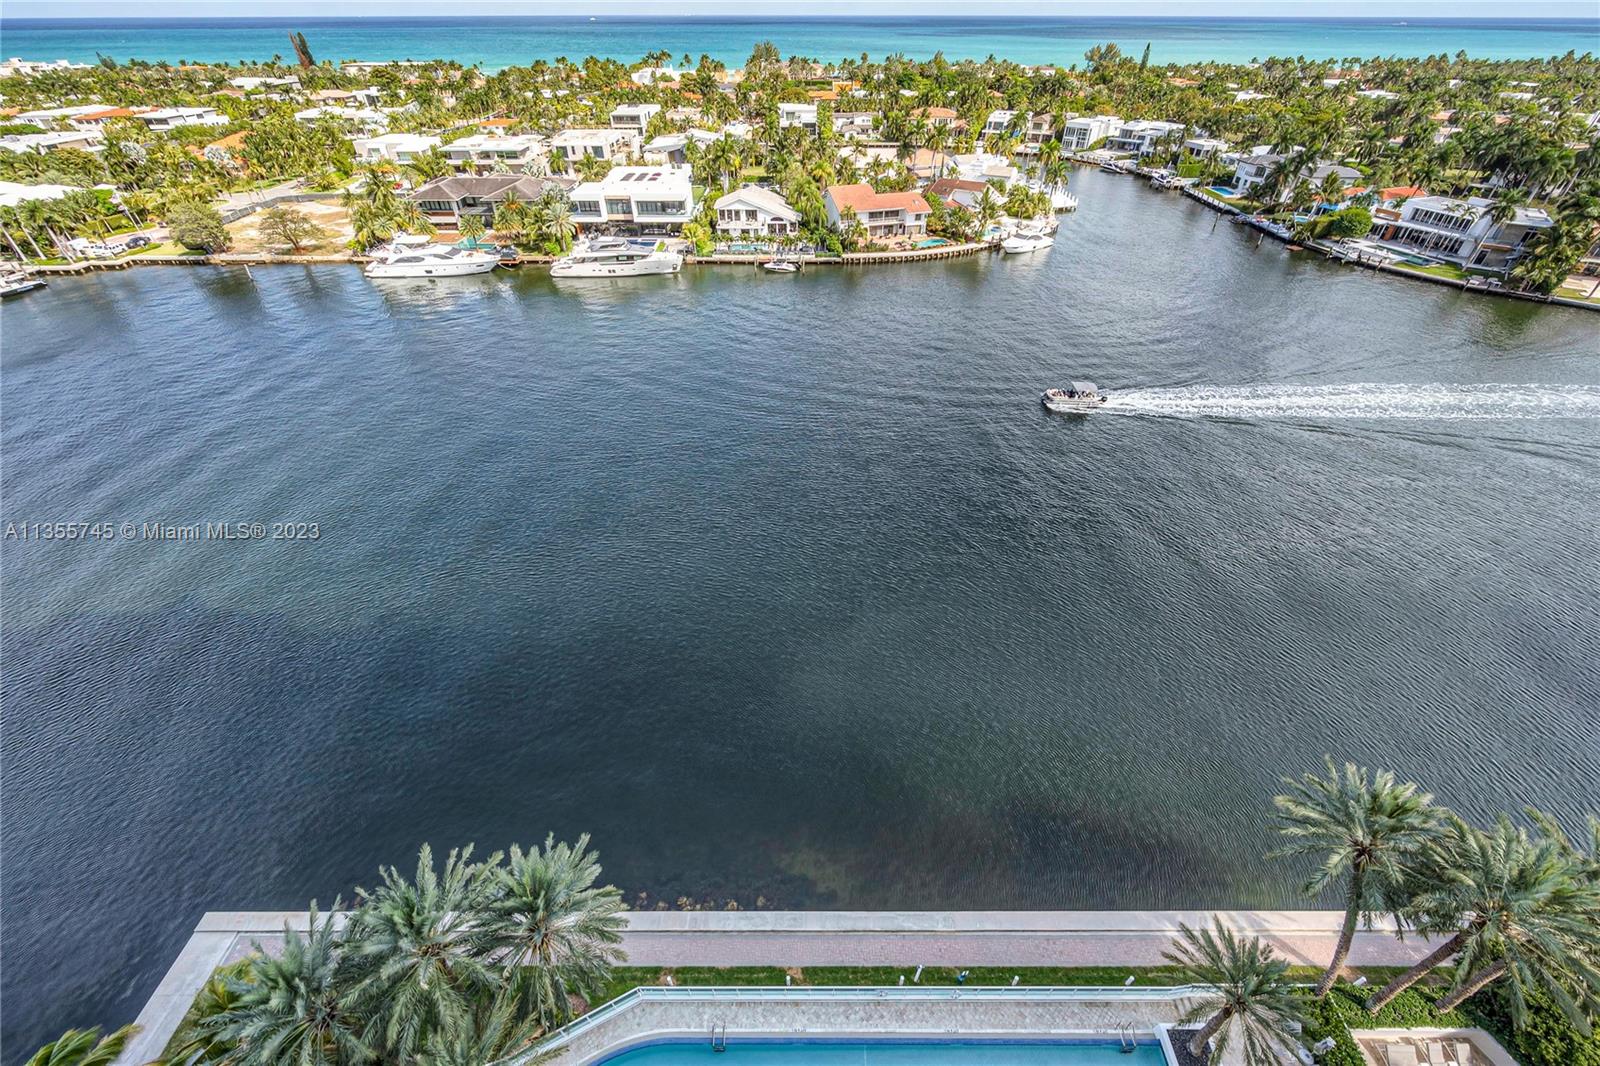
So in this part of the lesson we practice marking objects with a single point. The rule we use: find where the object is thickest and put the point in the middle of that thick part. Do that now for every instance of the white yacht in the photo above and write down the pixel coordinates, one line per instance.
(615, 257)
(1031, 238)
(781, 266)
(1081, 398)
(16, 282)
(413, 257)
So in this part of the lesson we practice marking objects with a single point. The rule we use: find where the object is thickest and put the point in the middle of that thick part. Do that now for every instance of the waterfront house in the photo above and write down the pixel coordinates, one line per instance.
(958, 192)
(610, 143)
(985, 166)
(1141, 137)
(674, 147)
(882, 214)
(801, 115)
(399, 148)
(634, 118)
(1251, 170)
(482, 152)
(756, 212)
(1463, 232)
(446, 200)
(1039, 129)
(1086, 131)
(1204, 147)
(636, 199)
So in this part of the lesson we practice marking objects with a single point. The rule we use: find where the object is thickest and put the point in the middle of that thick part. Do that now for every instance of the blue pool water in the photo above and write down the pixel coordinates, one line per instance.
(1223, 190)
(932, 242)
(886, 1053)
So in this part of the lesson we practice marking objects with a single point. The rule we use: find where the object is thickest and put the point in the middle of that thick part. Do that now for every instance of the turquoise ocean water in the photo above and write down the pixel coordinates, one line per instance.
(497, 42)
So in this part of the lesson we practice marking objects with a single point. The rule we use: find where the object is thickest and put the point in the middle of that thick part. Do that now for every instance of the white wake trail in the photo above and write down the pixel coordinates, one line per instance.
(1362, 401)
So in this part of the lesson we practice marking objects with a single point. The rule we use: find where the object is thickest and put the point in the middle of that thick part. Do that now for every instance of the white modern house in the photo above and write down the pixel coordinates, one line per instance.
(1142, 136)
(40, 143)
(1079, 133)
(1205, 146)
(883, 214)
(392, 147)
(802, 115)
(250, 84)
(644, 200)
(51, 117)
(483, 151)
(997, 122)
(599, 143)
(362, 119)
(1463, 232)
(1378, 94)
(984, 166)
(651, 75)
(674, 147)
(633, 117)
(756, 212)
(1252, 170)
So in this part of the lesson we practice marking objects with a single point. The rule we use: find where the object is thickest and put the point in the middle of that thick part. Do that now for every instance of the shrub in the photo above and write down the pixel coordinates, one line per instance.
(198, 227)
(1548, 1039)
(1351, 222)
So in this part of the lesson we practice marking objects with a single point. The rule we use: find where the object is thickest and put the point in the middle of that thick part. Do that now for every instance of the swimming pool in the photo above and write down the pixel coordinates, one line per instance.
(1222, 190)
(933, 242)
(758, 1052)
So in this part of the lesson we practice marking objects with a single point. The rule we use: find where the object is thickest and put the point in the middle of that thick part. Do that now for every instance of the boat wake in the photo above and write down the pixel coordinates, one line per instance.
(1362, 401)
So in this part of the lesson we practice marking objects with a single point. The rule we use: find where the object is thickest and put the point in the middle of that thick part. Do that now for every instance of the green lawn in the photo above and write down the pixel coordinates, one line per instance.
(627, 978)
(1443, 270)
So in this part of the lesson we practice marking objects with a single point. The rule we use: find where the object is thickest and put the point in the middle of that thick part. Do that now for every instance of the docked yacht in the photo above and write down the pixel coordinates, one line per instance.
(1031, 238)
(16, 282)
(781, 266)
(615, 257)
(416, 257)
(1081, 398)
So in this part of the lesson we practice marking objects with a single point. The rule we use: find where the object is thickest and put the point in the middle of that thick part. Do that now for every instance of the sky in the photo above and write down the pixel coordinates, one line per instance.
(1388, 9)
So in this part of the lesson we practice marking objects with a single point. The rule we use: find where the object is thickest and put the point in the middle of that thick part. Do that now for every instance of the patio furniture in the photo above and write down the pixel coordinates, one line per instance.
(1440, 1055)
(1400, 1055)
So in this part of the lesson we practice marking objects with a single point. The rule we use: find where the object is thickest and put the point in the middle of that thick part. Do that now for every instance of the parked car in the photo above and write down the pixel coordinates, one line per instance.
(136, 242)
(509, 253)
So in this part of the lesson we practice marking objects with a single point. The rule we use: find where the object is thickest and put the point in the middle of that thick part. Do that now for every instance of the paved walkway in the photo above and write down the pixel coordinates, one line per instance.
(978, 938)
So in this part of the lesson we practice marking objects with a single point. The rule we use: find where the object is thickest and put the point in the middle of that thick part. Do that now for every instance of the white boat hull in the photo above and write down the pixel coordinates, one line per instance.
(661, 263)
(430, 270)
(1023, 245)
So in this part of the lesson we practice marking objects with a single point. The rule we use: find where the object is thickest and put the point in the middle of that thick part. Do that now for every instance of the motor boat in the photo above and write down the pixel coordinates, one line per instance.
(1081, 398)
(17, 282)
(412, 257)
(615, 257)
(1027, 240)
(781, 266)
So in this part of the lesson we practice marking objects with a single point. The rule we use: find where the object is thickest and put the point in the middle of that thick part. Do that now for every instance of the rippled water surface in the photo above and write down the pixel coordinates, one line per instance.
(783, 587)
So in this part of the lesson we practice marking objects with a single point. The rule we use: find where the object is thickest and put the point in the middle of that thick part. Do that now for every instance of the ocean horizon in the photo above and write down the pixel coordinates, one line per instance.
(497, 41)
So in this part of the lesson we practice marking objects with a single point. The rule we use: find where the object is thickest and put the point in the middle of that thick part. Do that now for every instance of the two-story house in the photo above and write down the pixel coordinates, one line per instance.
(482, 152)
(882, 214)
(1463, 232)
(399, 148)
(446, 200)
(645, 200)
(634, 118)
(1084, 131)
(756, 212)
(574, 144)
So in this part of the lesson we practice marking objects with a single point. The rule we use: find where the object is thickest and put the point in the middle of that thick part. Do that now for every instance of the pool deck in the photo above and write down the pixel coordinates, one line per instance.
(823, 938)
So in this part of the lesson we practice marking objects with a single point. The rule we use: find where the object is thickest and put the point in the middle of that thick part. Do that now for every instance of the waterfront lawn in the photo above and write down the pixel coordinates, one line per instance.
(627, 978)
(1443, 270)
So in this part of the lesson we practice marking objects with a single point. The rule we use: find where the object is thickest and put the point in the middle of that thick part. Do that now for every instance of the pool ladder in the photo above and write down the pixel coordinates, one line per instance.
(1125, 1041)
(719, 1037)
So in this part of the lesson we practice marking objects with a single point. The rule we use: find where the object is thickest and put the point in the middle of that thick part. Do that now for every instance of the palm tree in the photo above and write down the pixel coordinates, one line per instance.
(1511, 905)
(497, 1033)
(556, 224)
(471, 227)
(1245, 991)
(415, 943)
(193, 1043)
(546, 919)
(83, 1047)
(294, 1011)
(1367, 829)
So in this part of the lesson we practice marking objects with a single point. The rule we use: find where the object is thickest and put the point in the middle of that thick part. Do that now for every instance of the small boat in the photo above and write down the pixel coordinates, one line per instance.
(405, 257)
(781, 266)
(17, 282)
(615, 257)
(1081, 398)
(1026, 241)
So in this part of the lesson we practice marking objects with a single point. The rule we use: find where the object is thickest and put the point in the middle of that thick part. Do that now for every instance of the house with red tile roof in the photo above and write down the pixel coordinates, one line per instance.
(883, 214)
